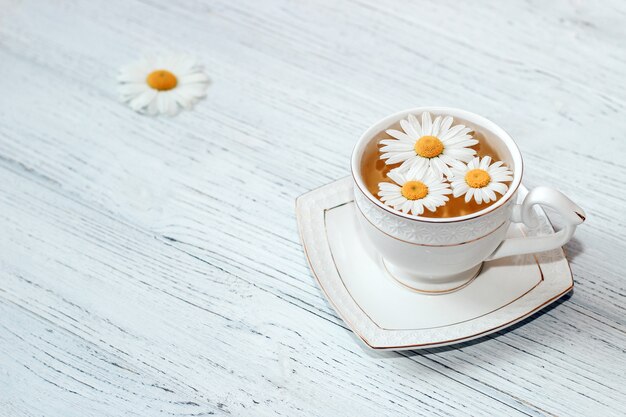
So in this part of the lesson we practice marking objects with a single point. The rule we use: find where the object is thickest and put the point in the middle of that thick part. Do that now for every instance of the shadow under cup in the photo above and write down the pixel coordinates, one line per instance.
(435, 254)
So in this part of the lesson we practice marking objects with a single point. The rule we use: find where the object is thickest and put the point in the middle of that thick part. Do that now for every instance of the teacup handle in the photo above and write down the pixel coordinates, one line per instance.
(522, 213)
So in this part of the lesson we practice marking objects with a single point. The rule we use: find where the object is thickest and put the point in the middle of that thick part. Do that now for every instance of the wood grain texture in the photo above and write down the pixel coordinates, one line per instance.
(151, 266)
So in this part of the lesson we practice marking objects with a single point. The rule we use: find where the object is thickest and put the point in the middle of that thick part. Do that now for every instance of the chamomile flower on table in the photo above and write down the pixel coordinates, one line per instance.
(480, 179)
(414, 190)
(434, 144)
(163, 84)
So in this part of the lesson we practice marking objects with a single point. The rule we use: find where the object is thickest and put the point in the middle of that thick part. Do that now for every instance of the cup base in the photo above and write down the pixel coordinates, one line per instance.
(430, 286)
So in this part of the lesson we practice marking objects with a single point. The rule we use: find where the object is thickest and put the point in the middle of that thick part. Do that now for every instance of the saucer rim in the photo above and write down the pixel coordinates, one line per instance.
(377, 325)
(355, 329)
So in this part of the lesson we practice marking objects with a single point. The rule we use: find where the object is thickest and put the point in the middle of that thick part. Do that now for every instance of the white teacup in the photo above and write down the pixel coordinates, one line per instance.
(438, 255)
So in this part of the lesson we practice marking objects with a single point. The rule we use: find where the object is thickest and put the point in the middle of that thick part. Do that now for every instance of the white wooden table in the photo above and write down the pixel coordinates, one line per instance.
(151, 266)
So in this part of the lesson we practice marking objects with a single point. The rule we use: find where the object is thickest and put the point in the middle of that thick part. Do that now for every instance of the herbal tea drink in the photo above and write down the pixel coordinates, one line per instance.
(375, 170)
(436, 190)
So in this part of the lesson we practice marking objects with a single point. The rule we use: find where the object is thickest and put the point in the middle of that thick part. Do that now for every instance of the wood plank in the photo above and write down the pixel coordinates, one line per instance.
(136, 325)
(169, 247)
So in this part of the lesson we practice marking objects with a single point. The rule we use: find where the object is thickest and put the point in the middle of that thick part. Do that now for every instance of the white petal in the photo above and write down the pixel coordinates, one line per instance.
(389, 193)
(171, 105)
(398, 201)
(143, 99)
(445, 125)
(458, 139)
(418, 207)
(417, 163)
(498, 187)
(395, 157)
(193, 78)
(460, 153)
(135, 73)
(192, 90)
(397, 176)
(434, 168)
(406, 165)
(478, 195)
(459, 167)
(387, 186)
(466, 143)
(493, 170)
(431, 176)
(398, 146)
(452, 132)
(438, 187)
(458, 192)
(183, 64)
(398, 135)
(393, 141)
(408, 128)
(417, 171)
(132, 90)
(436, 126)
(161, 104)
(153, 109)
(429, 205)
(426, 124)
(182, 100)
(416, 125)
(446, 159)
(446, 170)
(501, 178)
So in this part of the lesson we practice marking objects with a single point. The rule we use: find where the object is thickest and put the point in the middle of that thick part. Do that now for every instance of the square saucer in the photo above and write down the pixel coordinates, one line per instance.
(389, 316)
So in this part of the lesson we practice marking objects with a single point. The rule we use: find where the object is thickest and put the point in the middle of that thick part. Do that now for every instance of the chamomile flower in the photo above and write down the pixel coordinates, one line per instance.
(480, 179)
(434, 144)
(413, 190)
(163, 85)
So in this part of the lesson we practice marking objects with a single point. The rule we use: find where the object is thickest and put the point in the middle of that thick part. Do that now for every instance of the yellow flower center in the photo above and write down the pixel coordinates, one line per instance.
(477, 178)
(414, 190)
(161, 80)
(428, 146)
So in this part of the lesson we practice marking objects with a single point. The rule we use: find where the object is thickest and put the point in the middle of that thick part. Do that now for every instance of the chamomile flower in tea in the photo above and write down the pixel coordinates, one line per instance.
(433, 144)
(480, 179)
(414, 190)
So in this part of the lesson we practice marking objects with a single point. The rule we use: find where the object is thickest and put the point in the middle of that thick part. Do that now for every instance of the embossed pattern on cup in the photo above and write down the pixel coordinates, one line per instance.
(426, 233)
